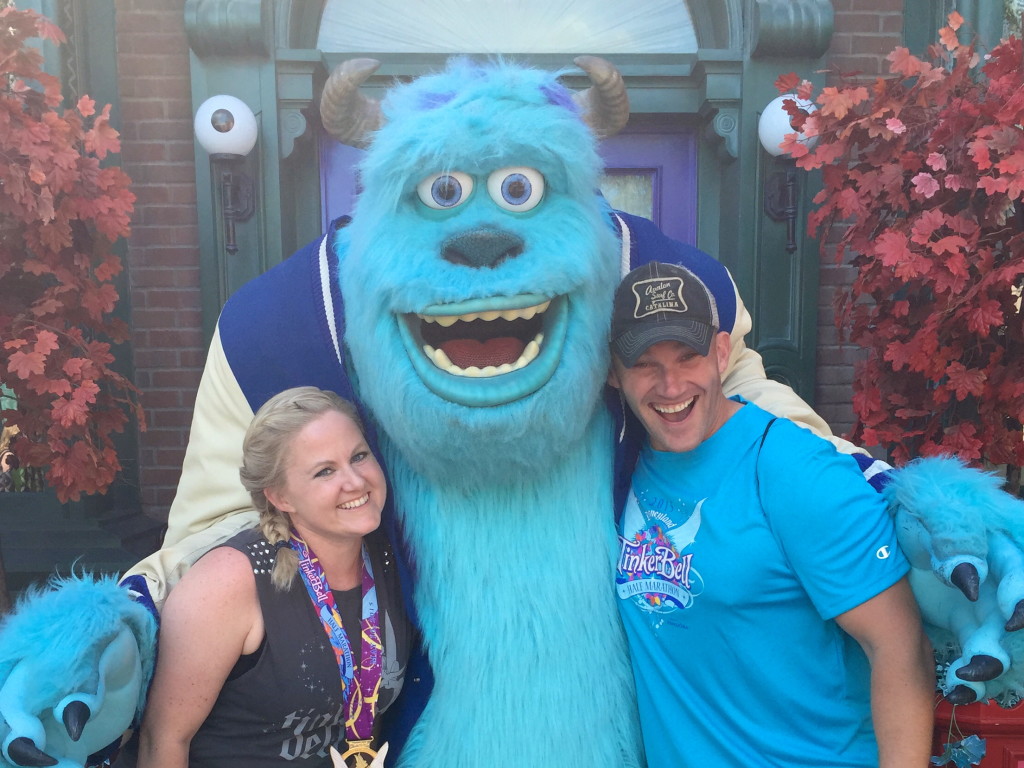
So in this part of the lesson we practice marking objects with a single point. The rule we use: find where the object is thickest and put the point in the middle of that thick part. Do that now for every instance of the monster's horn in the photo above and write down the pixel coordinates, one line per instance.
(605, 105)
(347, 114)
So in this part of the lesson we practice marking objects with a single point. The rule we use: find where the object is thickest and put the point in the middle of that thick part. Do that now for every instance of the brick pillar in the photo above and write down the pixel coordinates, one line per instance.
(865, 32)
(163, 251)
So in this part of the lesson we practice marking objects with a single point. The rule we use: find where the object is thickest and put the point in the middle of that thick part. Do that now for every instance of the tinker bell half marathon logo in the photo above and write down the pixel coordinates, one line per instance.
(651, 569)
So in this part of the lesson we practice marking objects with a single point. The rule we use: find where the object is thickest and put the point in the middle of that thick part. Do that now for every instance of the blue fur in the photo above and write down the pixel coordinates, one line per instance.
(507, 508)
(957, 502)
(947, 513)
(88, 612)
(390, 261)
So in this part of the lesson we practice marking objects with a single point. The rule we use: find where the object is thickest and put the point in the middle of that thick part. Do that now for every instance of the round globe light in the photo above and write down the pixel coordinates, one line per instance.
(774, 124)
(225, 125)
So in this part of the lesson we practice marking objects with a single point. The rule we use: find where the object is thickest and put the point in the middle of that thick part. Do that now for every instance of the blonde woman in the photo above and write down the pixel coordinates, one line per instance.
(291, 637)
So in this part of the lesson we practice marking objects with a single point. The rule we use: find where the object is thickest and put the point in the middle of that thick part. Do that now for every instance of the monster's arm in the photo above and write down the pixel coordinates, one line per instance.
(98, 670)
(963, 533)
(210, 506)
(745, 376)
(55, 709)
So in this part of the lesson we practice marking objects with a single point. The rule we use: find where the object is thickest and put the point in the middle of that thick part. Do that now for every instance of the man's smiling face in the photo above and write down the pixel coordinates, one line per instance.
(676, 392)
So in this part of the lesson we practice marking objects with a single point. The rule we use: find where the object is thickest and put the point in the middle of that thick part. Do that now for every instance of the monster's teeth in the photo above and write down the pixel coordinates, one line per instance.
(531, 351)
(525, 313)
(442, 361)
(529, 312)
(437, 357)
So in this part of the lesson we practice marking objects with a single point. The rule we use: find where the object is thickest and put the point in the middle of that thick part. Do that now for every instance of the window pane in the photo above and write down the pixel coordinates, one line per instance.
(501, 26)
(632, 192)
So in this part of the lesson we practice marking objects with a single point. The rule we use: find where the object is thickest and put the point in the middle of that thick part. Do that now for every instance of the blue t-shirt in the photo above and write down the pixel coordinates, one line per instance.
(729, 585)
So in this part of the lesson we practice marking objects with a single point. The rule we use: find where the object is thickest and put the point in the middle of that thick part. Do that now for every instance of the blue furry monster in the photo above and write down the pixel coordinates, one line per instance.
(497, 254)
(466, 305)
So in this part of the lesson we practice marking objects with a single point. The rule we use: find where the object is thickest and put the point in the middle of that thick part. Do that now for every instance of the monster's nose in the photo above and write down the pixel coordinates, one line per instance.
(482, 248)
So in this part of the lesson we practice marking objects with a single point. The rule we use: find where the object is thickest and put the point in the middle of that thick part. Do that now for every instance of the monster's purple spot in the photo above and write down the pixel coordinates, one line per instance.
(435, 100)
(559, 96)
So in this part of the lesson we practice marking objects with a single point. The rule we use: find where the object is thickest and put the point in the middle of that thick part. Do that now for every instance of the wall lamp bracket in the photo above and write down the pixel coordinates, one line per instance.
(780, 202)
(226, 128)
(780, 185)
(237, 195)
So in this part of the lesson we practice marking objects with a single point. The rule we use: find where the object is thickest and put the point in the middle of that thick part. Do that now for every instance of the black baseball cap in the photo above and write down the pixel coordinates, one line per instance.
(662, 302)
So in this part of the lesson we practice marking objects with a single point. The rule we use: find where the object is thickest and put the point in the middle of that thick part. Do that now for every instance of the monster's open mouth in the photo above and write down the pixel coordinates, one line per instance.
(487, 351)
(484, 344)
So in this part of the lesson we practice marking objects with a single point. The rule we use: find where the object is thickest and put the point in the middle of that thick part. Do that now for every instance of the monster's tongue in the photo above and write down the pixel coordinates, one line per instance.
(466, 353)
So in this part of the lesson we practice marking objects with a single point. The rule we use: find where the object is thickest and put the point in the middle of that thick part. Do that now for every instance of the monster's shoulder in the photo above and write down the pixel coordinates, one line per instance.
(646, 243)
(281, 329)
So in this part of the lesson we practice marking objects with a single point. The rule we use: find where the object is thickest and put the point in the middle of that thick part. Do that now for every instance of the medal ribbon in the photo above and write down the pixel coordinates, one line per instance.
(360, 685)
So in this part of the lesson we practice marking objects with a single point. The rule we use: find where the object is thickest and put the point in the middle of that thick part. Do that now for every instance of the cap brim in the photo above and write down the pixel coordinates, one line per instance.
(631, 344)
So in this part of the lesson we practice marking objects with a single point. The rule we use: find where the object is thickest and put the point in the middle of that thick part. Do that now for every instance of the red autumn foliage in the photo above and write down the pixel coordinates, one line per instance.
(60, 212)
(923, 176)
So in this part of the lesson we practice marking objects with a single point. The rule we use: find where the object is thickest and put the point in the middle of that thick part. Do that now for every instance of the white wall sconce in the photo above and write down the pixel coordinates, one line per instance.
(780, 194)
(226, 128)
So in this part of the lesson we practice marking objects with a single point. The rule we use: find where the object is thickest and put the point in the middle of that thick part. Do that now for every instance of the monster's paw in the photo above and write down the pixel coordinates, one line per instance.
(963, 536)
(75, 662)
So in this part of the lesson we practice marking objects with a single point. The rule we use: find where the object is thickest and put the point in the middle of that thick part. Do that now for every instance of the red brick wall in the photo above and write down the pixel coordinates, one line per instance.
(163, 252)
(865, 31)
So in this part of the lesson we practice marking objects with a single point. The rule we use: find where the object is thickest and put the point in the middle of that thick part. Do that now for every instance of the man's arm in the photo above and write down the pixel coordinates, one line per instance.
(888, 628)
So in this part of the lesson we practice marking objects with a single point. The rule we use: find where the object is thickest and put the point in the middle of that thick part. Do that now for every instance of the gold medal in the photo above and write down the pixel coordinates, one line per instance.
(359, 753)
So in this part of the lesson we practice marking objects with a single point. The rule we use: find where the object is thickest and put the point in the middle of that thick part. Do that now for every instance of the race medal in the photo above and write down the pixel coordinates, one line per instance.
(359, 754)
(358, 685)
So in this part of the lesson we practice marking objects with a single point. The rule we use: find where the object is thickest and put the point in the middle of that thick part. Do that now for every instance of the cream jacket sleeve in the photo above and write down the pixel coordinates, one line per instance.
(211, 505)
(745, 376)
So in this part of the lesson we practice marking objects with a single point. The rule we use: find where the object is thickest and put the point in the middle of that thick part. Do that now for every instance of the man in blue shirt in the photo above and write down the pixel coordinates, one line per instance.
(763, 592)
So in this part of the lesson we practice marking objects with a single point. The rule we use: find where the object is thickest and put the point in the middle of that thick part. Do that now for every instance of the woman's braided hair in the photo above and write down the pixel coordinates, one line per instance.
(264, 460)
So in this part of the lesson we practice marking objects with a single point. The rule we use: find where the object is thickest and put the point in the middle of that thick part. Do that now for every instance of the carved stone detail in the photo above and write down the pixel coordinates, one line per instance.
(293, 126)
(724, 128)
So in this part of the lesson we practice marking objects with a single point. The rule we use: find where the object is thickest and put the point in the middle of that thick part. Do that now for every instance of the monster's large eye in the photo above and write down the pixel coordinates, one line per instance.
(445, 190)
(516, 189)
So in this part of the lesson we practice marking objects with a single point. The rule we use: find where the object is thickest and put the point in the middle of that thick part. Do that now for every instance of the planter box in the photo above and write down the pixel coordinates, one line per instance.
(1002, 729)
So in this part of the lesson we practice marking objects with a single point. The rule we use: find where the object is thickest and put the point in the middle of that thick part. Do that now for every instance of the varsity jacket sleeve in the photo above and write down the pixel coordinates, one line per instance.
(210, 505)
(746, 376)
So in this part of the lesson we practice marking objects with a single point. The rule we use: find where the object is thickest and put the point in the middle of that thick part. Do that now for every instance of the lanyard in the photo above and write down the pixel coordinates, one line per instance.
(360, 686)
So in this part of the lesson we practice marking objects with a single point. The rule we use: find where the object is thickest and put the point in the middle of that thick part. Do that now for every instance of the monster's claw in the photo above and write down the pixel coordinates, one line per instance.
(1016, 621)
(962, 694)
(980, 668)
(965, 578)
(76, 715)
(23, 751)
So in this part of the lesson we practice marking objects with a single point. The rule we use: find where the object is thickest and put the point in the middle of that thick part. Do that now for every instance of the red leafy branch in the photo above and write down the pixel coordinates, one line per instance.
(60, 212)
(923, 176)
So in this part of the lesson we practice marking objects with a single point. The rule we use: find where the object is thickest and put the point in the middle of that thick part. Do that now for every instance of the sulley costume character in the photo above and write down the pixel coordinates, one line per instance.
(466, 306)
